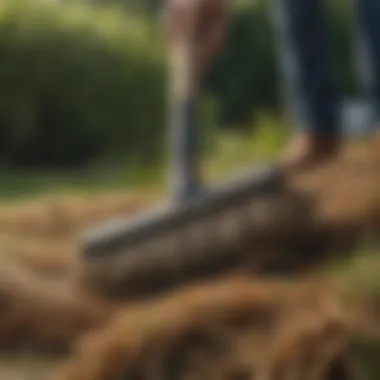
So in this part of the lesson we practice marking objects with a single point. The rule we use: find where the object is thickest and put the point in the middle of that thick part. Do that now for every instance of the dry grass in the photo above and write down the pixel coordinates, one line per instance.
(241, 327)
(231, 329)
(43, 315)
(43, 234)
(41, 308)
(63, 216)
(346, 191)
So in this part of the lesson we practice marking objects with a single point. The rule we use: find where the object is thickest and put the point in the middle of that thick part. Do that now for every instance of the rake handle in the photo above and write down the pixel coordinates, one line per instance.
(184, 147)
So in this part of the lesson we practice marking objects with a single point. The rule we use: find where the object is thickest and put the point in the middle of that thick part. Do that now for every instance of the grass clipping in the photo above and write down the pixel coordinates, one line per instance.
(38, 315)
(231, 329)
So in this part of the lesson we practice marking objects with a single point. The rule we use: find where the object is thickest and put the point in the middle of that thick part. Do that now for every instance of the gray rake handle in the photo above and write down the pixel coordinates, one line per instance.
(184, 148)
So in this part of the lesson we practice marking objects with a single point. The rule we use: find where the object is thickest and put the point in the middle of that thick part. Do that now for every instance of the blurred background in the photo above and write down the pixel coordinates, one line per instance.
(83, 138)
(83, 96)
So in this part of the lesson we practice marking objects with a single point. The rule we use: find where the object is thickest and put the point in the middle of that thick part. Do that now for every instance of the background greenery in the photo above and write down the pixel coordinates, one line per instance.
(82, 96)
(81, 81)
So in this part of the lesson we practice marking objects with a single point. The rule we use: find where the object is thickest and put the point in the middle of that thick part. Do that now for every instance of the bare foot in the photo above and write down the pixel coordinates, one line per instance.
(307, 150)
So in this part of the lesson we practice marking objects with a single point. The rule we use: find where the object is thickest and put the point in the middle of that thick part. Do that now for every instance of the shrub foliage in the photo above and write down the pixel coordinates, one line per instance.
(78, 81)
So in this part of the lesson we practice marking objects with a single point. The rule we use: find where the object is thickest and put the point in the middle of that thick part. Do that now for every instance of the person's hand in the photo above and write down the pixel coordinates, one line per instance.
(202, 21)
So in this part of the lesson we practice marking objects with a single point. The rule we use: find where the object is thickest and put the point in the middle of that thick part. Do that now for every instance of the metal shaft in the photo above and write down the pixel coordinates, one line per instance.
(184, 147)
(184, 150)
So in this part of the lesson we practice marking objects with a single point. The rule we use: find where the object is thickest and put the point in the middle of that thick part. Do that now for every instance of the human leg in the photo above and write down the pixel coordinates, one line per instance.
(301, 29)
(368, 17)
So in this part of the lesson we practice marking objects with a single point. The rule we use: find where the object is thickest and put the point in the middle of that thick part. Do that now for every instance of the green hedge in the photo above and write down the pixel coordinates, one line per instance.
(81, 81)
(77, 82)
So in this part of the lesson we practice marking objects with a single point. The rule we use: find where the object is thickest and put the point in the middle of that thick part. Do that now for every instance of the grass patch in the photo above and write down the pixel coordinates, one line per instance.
(231, 152)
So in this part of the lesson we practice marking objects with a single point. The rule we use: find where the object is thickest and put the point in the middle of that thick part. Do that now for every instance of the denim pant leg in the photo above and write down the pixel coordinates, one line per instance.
(304, 44)
(368, 14)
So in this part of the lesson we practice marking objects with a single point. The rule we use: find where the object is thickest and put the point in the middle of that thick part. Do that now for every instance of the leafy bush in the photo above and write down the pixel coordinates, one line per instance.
(76, 82)
(79, 81)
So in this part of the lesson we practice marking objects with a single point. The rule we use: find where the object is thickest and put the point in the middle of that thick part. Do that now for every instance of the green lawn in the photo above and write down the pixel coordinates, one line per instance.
(229, 153)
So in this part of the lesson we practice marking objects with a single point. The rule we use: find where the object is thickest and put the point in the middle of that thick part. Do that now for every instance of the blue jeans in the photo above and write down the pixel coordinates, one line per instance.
(304, 42)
